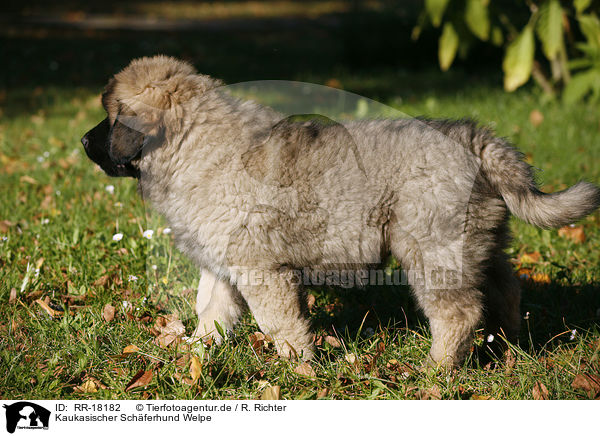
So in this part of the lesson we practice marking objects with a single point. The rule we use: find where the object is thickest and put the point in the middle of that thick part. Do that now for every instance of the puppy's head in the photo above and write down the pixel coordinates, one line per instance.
(143, 101)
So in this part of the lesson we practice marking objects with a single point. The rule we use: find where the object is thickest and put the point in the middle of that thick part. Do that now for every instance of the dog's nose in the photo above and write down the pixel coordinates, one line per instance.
(84, 141)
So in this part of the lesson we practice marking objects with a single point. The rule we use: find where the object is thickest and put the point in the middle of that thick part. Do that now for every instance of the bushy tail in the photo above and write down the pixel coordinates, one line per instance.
(513, 179)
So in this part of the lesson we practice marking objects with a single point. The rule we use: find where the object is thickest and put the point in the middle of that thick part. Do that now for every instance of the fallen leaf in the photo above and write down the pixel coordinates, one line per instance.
(170, 328)
(530, 257)
(433, 393)
(587, 382)
(310, 301)
(540, 278)
(141, 379)
(195, 369)
(305, 369)
(87, 387)
(53, 313)
(13, 295)
(333, 341)
(28, 179)
(481, 397)
(536, 118)
(540, 391)
(5, 225)
(257, 340)
(322, 393)
(271, 393)
(108, 313)
(574, 233)
(129, 349)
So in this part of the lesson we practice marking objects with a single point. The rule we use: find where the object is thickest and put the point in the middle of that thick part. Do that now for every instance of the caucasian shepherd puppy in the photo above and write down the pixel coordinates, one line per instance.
(254, 197)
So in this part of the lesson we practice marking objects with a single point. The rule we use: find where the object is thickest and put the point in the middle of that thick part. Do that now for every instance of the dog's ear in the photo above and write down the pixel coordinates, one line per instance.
(125, 140)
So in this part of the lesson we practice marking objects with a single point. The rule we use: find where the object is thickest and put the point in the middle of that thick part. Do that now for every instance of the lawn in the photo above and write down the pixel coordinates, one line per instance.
(63, 269)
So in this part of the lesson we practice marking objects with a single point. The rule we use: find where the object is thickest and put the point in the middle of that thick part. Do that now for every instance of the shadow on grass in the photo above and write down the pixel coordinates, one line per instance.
(550, 312)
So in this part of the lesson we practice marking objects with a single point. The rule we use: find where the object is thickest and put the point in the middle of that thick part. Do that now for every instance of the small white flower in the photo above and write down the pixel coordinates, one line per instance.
(40, 159)
(573, 333)
(110, 189)
(132, 278)
(118, 204)
(154, 267)
(526, 315)
(4, 238)
(45, 221)
(126, 304)
(490, 338)
(167, 230)
(148, 234)
(46, 154)
(58, 193)
(117, 236)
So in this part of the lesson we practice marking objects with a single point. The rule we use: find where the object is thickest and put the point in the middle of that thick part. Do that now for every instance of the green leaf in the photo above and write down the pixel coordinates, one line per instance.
(590, 26)
(497, 37)
(477, 18)
(447, 46)
(436, 9)
(582, 5)
(580, 85)
(518, 61)
(549, 28)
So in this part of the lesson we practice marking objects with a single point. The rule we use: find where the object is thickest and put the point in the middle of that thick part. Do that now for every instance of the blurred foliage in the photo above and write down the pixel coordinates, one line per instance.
(560, 29)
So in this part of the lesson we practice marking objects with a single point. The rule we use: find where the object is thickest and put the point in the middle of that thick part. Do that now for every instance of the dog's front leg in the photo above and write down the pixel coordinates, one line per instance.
(217, 301)
(275, 300)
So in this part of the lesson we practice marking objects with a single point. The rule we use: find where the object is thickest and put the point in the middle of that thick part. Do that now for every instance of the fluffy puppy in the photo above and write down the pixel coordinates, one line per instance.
(253, 198)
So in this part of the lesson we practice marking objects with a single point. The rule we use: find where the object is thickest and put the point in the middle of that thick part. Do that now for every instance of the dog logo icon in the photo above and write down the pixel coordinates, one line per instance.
(26, 415)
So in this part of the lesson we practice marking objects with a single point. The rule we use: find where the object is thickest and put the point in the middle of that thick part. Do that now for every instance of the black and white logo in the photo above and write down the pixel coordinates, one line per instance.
(27, 416)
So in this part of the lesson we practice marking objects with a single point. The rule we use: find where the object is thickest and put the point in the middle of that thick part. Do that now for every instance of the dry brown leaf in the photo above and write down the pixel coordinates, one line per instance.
(481, 397)
(28, 179)
(529, 258)
(305, 369)
(574, 233)
(97, 382)
(588, 382)
(195, 369)
(101, 281)
(53, 313)
(540, 278)
(322, 393)
(539, 391)
(433, 393)
(257, 340)
(131, 349)
(310, 301)
(271, 393)
(333, 341)
(170, 328)
(108, 313)
(5, 225)
(141, 379)
(87, 387)
(536, 118)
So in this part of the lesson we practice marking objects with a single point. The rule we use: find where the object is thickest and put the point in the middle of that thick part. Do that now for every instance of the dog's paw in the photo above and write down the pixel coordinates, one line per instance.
(206, 331)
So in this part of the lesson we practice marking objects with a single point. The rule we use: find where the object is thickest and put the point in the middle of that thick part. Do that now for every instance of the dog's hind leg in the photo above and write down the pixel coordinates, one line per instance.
(448, 294)
(217, 301)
